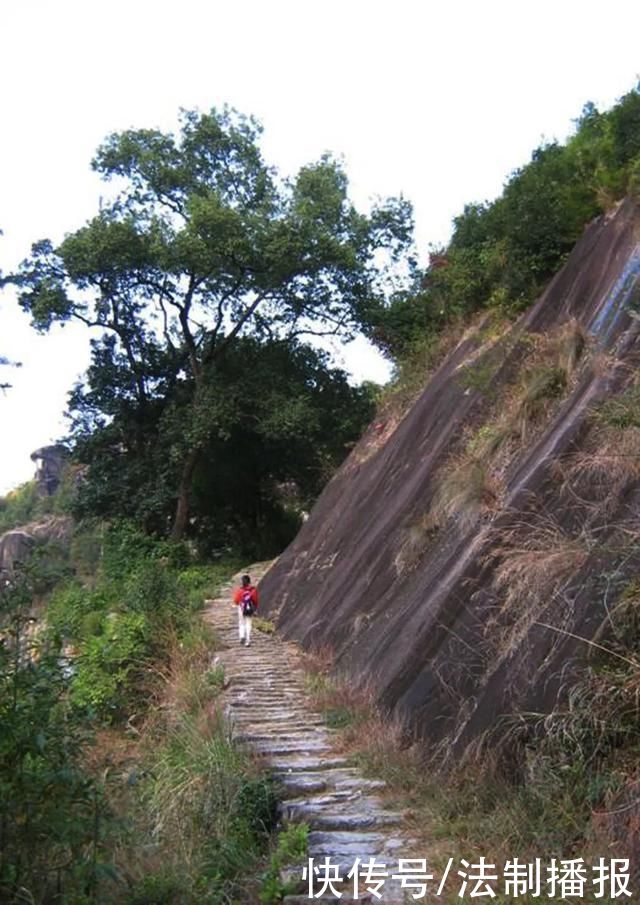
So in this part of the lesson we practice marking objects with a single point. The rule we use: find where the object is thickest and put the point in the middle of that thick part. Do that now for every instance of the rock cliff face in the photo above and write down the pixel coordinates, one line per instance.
(51, 463)
(459, 562)
(17, 546)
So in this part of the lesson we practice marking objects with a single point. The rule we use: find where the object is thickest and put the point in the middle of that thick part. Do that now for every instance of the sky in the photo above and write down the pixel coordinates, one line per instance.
(439, 101)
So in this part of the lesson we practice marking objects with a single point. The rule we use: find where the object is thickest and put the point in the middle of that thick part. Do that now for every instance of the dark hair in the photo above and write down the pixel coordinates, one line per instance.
(246, 579)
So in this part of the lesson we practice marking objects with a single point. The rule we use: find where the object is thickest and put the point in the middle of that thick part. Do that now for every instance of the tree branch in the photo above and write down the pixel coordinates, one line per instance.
(218, 351)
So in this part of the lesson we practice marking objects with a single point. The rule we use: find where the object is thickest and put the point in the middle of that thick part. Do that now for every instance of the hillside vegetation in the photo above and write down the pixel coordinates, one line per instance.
(503, 252)
(470, 569)
(119, 781)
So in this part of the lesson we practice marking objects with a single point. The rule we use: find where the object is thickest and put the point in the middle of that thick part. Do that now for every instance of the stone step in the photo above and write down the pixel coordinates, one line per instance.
(354, 820)
(260, 707)
(274, 722)
(250, 687)
(360, 784)
(336, 801)
(248, 713)
(392, 893)
(269, 704)
(295, 783)
(277, 734)
(357, 844)
(274, 748)
(300, 762)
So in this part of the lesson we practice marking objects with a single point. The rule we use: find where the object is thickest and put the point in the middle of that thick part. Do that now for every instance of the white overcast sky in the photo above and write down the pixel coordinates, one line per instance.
(437, 100)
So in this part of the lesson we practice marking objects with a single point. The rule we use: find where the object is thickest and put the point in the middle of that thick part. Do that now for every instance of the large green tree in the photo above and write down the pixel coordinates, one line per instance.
(284, 419)
(203, 243)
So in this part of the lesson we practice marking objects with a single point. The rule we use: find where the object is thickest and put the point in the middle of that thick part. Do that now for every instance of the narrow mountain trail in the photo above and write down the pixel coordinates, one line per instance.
(269, 709)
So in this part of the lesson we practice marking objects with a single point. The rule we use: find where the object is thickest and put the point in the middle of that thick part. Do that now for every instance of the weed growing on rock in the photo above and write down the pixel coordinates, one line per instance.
(290, 851)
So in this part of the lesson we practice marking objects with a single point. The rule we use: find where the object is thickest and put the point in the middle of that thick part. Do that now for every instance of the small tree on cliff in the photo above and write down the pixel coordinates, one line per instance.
(203, 243)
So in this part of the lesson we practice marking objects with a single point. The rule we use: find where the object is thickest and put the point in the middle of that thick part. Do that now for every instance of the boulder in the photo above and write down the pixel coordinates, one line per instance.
(16, 546)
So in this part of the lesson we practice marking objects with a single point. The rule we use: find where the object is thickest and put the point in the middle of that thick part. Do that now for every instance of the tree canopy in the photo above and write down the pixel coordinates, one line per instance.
(202, 245)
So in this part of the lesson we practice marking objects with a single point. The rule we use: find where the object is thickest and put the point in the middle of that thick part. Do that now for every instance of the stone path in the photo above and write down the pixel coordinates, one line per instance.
(268, 707)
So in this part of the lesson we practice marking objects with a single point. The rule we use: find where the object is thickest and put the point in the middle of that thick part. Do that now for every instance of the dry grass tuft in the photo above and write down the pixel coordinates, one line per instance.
(537, 562)
(463, 493)
(547, 375)
(318, 661)
(410, 379)
(535, 558)
(343, 703)
(414, 543)
(190, 681)
(471, 483)
(600, 472)
(466, 492)
(571, 342)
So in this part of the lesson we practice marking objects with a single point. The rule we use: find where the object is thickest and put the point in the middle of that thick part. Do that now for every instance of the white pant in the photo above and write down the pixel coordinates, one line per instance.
(244, 625)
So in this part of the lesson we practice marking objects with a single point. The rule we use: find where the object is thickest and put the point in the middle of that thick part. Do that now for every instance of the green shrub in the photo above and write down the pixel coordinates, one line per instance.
(153, 589)
(19, 506)
(503, 253)
(107, 662)
(200, 582)
(623, 411)
(163, 888)
(71, 605)
(51, 812)
(291, 849)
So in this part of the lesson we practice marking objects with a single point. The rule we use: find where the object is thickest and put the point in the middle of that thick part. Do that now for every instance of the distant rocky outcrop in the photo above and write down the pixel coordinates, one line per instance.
(17, 546)
(51, 463)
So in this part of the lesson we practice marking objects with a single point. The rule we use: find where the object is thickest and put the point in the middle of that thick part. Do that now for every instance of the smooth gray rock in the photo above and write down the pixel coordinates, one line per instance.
(15, 548)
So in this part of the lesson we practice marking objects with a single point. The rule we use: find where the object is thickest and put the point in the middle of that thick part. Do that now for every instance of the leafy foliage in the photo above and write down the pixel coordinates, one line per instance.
(202, 247)
(278, 421)
(121, 626)
(50, 808)
(126, 632)
(19, 506)
(502, 253)
(291, 850)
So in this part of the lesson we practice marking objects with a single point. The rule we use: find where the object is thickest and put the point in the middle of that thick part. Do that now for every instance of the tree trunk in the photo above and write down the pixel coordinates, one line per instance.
(181, 517)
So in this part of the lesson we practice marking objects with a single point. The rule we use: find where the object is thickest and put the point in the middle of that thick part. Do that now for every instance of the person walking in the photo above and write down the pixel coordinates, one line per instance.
(246, 599)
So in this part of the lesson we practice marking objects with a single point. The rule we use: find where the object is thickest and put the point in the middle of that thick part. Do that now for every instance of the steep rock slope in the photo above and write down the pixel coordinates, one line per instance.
(458, 562)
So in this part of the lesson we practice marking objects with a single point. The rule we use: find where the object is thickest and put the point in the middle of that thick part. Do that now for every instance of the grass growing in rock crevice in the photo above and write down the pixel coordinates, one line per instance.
(473, 481)
(575, 765)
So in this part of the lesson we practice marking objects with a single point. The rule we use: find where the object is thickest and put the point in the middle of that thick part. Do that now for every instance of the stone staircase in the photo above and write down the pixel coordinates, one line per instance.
(269, 709)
